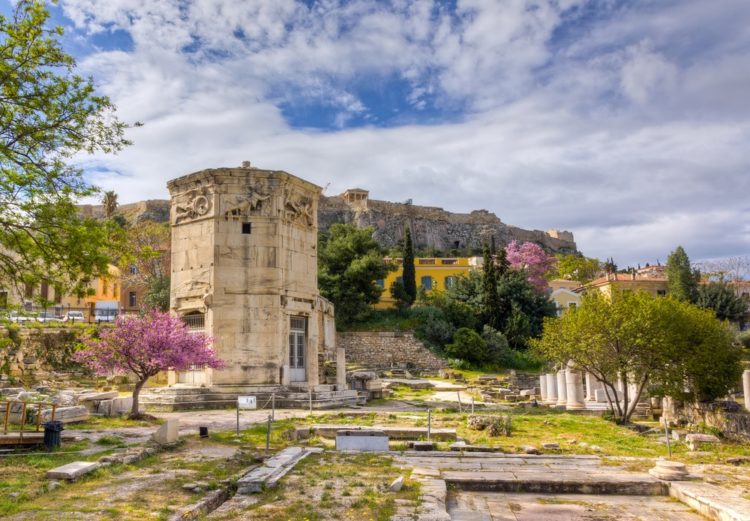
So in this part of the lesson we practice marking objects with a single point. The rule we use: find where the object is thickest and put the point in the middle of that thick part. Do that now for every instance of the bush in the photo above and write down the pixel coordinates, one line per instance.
(432, 327)
(468, 345)
(744, 339)
(497, 345)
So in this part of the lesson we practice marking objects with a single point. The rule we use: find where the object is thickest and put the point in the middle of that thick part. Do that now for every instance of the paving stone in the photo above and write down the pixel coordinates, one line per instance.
(72, 471)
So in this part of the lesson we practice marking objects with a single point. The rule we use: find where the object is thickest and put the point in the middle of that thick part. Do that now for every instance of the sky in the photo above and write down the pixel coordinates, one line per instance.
(625, 122)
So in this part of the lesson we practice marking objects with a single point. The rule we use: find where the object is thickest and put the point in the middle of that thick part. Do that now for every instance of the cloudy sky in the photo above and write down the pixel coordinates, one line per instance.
(624, 121)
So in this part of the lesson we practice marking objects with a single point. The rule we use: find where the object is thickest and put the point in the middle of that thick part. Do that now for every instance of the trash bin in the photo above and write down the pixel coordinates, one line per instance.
(203, 431)
(52, 432)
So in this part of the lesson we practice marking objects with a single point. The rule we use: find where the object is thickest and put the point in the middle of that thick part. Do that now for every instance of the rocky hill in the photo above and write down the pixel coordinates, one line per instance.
(432, 228)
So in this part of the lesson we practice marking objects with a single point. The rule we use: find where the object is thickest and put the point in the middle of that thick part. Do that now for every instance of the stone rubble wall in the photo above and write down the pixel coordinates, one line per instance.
(35, 354)
(388, 350)
(734, 425)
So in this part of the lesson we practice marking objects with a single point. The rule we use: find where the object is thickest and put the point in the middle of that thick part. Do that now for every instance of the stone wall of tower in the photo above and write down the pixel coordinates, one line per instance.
(244, 253)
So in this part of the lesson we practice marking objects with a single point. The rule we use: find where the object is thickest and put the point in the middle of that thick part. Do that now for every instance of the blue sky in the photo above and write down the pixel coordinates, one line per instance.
(625, 122)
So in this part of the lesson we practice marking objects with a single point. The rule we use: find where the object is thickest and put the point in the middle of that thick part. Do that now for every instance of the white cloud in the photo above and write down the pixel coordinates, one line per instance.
(611, 125)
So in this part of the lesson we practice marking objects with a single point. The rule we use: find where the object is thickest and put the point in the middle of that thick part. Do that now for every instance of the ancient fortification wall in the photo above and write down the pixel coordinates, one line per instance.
(431, 227)
(434, 227)
(387, 350)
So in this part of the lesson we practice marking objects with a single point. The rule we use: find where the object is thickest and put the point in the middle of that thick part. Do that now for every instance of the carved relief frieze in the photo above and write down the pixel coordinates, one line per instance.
(298, 208)
(256, 202)
(192, 205)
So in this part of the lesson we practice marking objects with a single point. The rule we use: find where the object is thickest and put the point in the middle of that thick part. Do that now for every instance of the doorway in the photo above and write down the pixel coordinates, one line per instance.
(297, 345)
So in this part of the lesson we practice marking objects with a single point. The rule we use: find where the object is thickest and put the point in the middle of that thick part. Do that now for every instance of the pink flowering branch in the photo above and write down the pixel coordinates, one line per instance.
(146, 345)
(533, 260)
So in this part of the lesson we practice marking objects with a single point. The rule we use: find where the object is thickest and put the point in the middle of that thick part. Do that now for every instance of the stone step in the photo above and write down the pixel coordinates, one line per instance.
(394, 433)
(714, 502)
(545, 482)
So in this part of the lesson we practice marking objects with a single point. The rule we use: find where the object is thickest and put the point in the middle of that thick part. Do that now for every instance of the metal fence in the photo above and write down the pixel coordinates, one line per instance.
(59, 314)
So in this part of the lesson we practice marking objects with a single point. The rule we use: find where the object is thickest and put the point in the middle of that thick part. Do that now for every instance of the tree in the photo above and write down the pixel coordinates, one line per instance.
(146, 345)
(144, 261)
(492, 309)
(409, 274)
(635, 338)
(157, 294)
(109, 203)
(722, 299)
(349, 264)
(731, 269)
(609, 266)
(682, 279)
(48, 114)
(525, 309)
(533, 260)
(576, 267)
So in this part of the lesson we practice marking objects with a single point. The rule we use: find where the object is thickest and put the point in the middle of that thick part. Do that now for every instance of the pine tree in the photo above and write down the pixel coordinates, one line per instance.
(409, 275)
(682, 279)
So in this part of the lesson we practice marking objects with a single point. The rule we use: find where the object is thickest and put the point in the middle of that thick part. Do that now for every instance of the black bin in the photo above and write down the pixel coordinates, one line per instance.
(203, 431)
(52, 432)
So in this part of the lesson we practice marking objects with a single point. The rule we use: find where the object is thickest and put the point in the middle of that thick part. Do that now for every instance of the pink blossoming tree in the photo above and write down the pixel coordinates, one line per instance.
(146, 345)
(533, 259)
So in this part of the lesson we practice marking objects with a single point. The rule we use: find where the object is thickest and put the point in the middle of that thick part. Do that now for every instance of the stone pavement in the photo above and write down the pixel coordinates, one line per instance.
(494, 506)
(488, 486)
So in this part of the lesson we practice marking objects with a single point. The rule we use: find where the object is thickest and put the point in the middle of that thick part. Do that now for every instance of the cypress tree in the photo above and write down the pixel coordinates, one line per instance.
(490, 298)
(682, 280)
(501, 261)
(409, 273)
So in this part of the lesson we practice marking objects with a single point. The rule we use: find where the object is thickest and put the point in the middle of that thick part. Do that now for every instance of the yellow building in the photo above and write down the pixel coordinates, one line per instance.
(653, 284)
(431, 274)
(104, 293)
(565, 299)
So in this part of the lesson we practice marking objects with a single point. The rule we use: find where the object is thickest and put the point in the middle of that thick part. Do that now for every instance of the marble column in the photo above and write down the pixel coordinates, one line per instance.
(543, 387)
(574, 386)
(551, 389)
(590, 389)
(746, 388)
(562, 389)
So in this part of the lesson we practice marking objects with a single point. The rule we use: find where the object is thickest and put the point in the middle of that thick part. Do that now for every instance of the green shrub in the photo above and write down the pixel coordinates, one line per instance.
(432, 327)
(467, 345)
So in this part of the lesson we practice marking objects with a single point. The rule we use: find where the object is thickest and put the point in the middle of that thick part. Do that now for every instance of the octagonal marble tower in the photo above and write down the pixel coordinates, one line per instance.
(244, 269)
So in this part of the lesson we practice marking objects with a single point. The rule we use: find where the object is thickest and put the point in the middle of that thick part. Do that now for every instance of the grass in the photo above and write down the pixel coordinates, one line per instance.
(149, 489)
(334, 486)
(97, 423)
(23, 474)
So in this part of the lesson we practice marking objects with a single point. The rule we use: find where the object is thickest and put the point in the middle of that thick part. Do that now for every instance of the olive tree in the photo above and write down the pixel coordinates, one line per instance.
(635, 338)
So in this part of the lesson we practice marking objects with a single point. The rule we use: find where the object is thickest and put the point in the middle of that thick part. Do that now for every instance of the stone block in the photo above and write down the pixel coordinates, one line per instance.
(115, 407)
(98, 396)
(363, 441)
(77, 413)
(529, 392)
(72, 471)
(168, 433)
(694, 440)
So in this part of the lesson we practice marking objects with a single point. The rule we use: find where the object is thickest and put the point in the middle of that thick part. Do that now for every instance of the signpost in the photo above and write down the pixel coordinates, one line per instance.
(245, 402)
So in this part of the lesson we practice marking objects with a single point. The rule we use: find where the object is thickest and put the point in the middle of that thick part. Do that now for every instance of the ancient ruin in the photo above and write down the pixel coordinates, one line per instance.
(244, 271)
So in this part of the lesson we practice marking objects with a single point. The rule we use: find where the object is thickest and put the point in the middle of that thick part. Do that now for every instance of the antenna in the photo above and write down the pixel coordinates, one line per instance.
(326, 187)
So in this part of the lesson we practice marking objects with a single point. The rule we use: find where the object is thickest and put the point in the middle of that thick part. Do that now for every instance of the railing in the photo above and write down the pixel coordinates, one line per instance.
(16, 404)
(195, 322)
